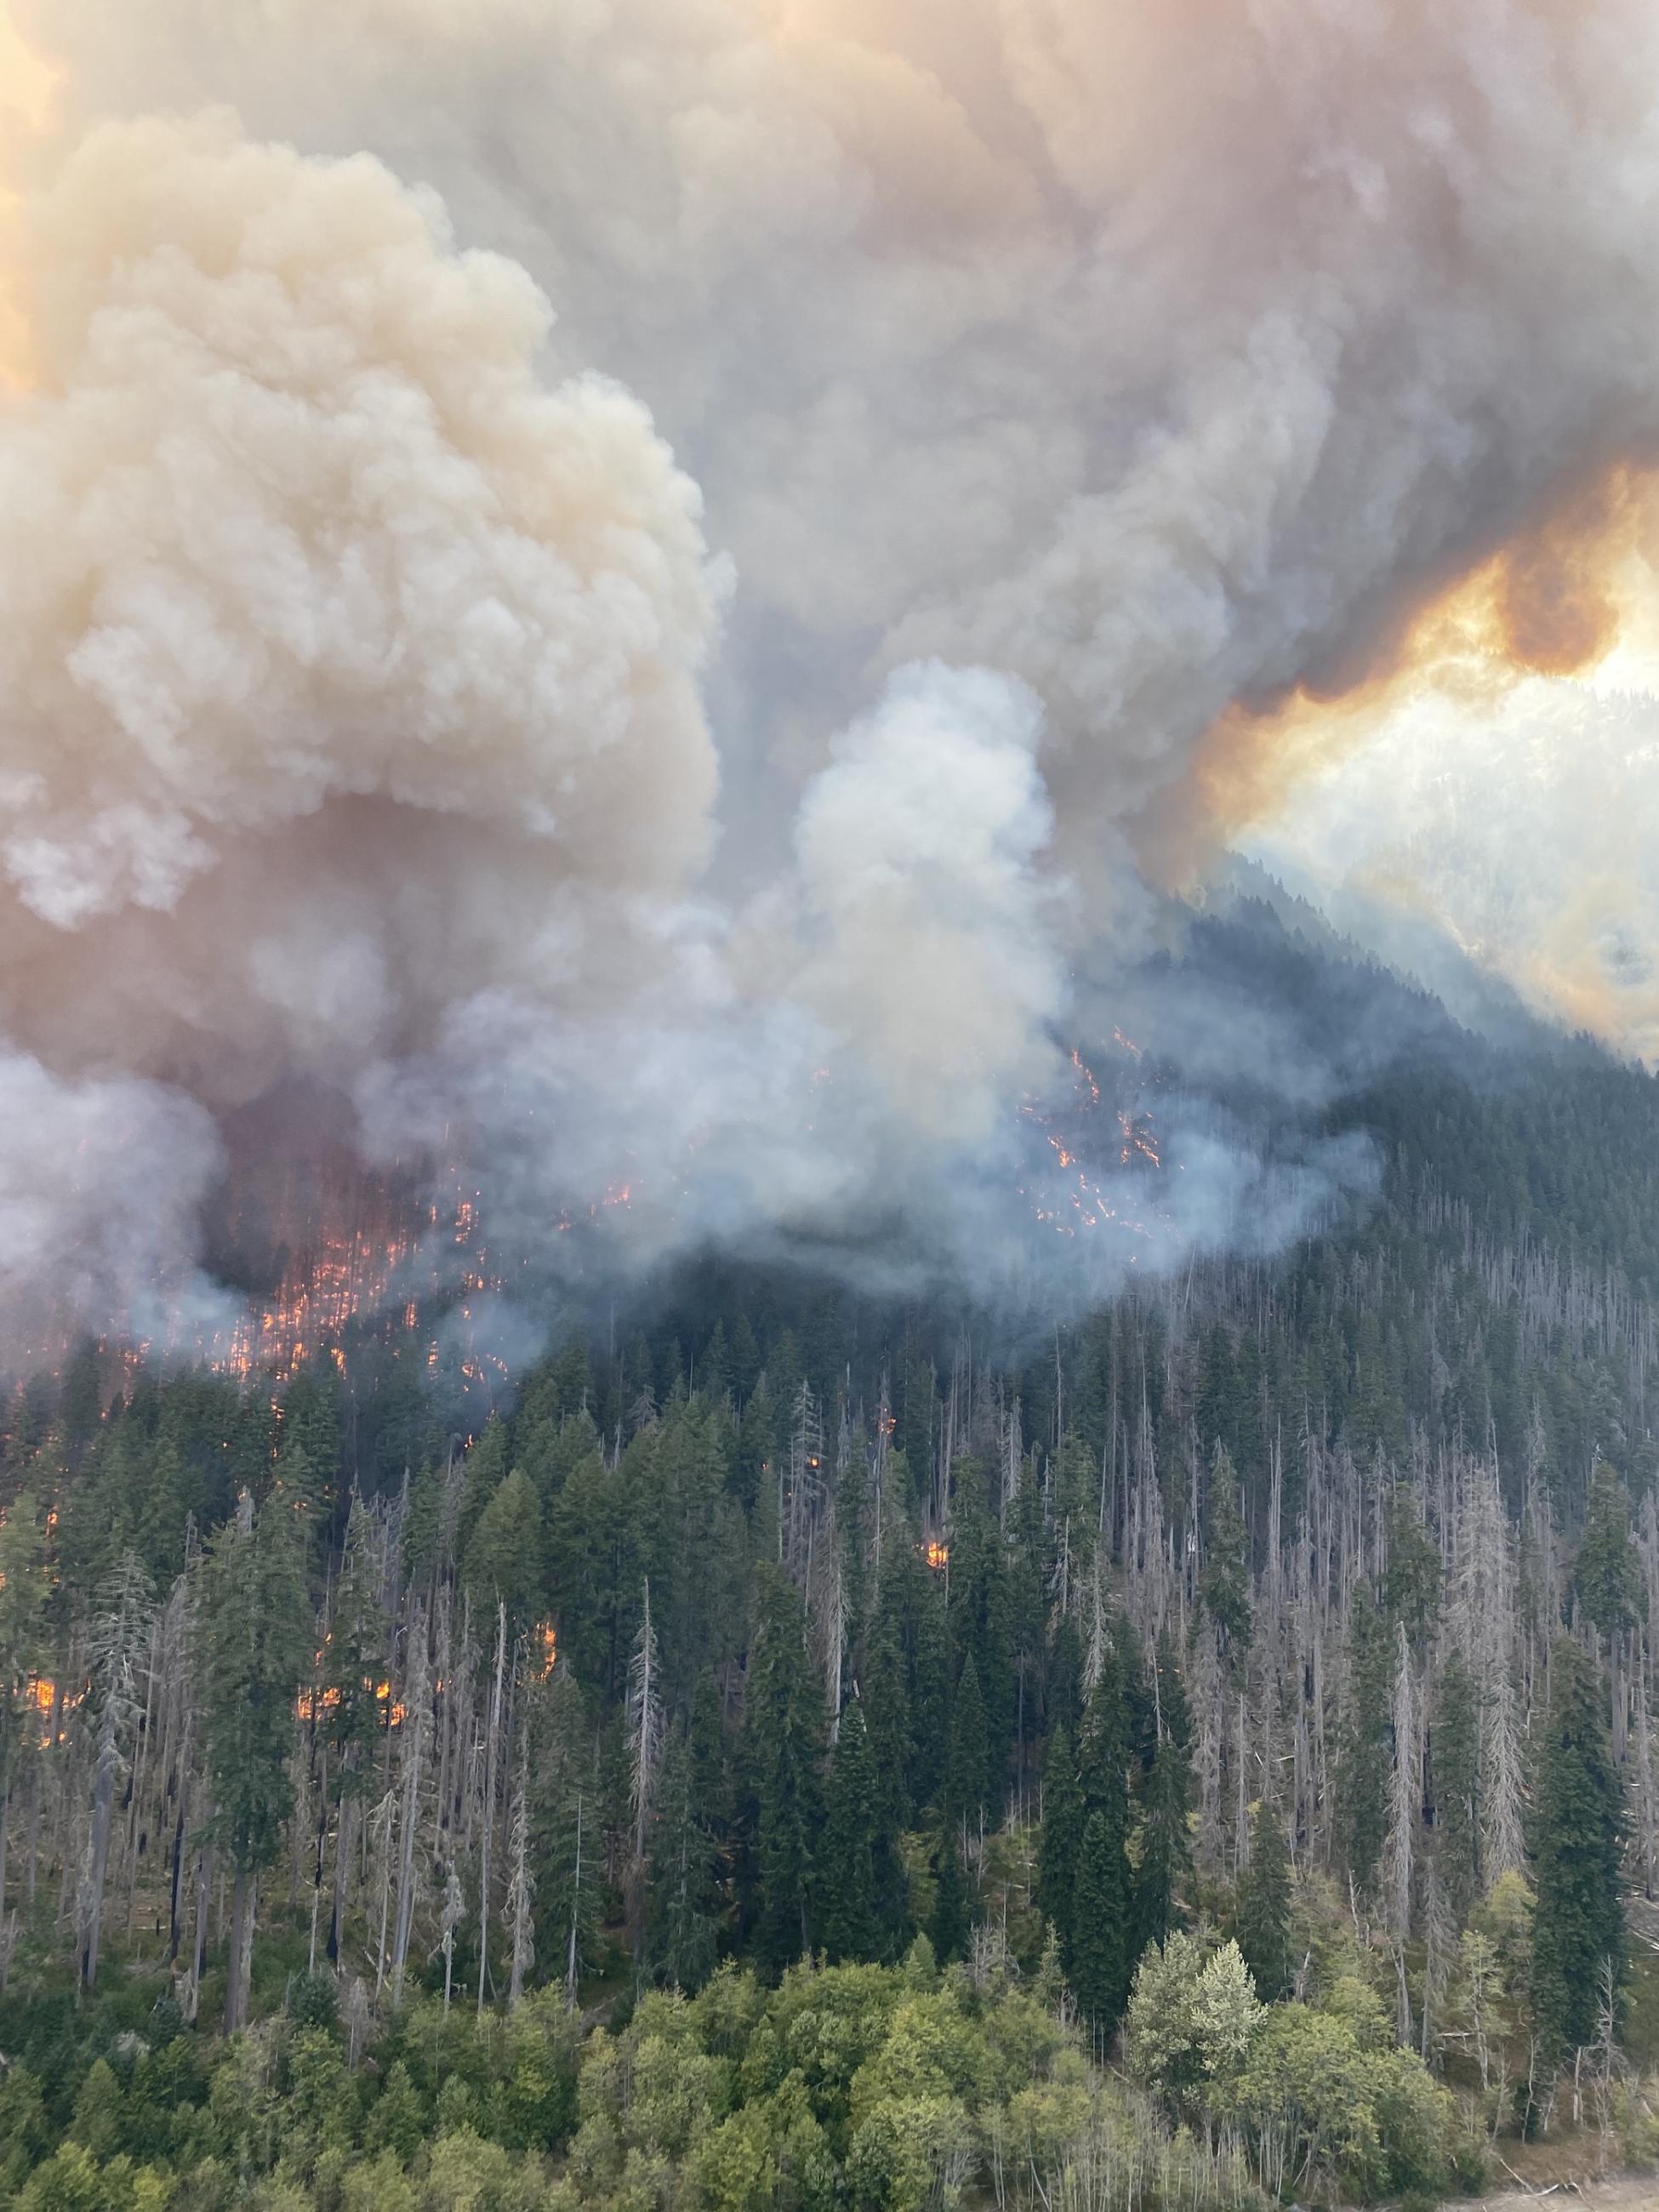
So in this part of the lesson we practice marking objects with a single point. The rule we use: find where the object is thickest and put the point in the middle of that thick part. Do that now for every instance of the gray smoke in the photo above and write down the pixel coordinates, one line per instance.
(1156, 358)
(1056, 377)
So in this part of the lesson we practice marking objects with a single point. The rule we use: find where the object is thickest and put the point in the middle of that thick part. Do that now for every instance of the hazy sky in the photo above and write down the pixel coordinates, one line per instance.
(1525, 825)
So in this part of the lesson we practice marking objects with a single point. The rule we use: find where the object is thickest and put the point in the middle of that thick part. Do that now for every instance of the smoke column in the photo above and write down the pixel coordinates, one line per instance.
(1079, 386)
(1159, 359)
(345, 660)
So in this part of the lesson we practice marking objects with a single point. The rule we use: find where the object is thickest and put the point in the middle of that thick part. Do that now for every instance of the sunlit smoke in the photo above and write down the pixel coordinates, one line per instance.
(1101, 423)
(1518, 833)
(344, 663)
(1557, 600)
(1160, 368)
(27, 85)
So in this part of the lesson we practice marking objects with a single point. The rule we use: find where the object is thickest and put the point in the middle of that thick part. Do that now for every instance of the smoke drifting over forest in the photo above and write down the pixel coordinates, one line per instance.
(1026, 419)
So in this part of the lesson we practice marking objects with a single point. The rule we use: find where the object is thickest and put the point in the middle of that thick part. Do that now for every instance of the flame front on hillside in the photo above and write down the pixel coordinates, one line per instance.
(1079, 1198)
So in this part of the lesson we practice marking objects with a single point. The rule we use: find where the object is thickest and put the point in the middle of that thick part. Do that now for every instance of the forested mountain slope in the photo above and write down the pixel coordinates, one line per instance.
(1301, 1603)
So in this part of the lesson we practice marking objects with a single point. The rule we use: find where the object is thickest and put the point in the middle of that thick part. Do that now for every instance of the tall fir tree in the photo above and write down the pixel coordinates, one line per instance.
(1606, 1579)
(1166, 1855)
(948, 1930)
(566, 1806)
(1100, 1961)
(255, 1652)
(1262, 1922)
(81, 1402)
(1410, 1582)
(1065, 1678)
(1165, 1804)
(784, 1732)
(23, 1593)
(311, 1416)
(1065, 1816)
(847, 1924)
(503, 1558)
(1576, 1843)
(887, 1720)
(965, 1772)
(929, 1684)
(683, 1891)
(354, 1663)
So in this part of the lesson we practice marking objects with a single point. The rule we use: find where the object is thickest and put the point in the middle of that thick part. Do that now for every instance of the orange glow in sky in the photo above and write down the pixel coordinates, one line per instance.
(27, 84)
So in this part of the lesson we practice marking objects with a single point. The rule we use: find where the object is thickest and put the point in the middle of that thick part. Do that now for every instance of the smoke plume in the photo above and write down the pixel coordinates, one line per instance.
(1099, 392)
(929, 935)
(1158, 359)
(346, 660)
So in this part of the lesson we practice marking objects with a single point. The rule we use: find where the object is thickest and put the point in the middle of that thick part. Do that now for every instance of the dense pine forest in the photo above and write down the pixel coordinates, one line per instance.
(812, 1752)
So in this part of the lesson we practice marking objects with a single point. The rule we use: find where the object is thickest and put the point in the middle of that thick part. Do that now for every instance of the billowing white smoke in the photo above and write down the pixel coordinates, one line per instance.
(99, 1185)
(855, 1039)
(929, 935)
(346, 662)
(309, 524)
(353, 630)
(1156, 354)
(349, 729)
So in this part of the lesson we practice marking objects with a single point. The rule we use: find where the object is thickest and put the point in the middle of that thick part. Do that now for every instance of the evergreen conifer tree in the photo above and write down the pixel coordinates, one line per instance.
(1362, 1775)
(1099, 1964)
(682, 1892)
(949, 1928)
(1165, 1843)
(504, 1554)
(1065, 1816)
(784, 1728)
(1065, 1678)
(887, 1720)
(354, 1664)
(1607, 1576)
(23, 1590)
(847, 1925)
(1165, 1804)
(1262, 1926)
(929, 1684)
(1576, 1841)
(565, 1807)
(965, 1787)
(256, 1651)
